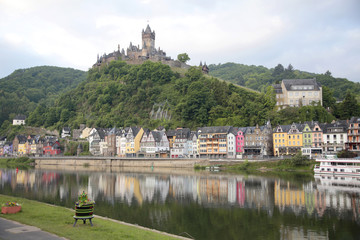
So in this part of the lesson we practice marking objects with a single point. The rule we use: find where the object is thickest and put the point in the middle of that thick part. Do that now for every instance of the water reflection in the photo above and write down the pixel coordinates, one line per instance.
(144, 193)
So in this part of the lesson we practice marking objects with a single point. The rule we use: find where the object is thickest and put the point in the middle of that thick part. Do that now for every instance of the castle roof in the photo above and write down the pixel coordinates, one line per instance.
(148, 29)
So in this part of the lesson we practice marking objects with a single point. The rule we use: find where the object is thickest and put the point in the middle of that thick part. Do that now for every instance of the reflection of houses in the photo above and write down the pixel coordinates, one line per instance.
(287, 196)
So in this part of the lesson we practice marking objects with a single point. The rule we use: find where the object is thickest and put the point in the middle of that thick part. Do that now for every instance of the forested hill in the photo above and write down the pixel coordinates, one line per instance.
(259, 77)
(123, 95)
(23, 90)
(126, 95)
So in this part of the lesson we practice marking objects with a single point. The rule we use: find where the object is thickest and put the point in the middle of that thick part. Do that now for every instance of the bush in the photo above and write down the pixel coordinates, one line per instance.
(244, 166)
(298, 160)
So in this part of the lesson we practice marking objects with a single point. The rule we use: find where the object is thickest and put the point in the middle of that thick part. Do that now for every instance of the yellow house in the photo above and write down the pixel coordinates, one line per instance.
(133, 139)
(295, 139)
(287, 139)
(280, 140)
(22, 149)
(137, 140)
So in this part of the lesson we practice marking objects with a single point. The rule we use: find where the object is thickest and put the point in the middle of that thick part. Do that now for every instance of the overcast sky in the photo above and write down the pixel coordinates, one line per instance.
(312, 35)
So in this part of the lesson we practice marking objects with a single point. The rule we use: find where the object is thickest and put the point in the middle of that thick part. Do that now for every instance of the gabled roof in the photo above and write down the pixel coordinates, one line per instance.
(288, 83)
(21, 138)
(2, 138)
(192, 134)
(182, 133)
(285, 128)
(339, 125)
(218, 129)
(66, 129)
(170, 133)
(234, 130)
(157, 135)
(355, 120)
(20, 117)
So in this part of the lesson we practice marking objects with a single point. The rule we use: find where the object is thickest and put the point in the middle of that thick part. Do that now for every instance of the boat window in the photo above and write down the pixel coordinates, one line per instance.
(341, 170)
(328, 169)
(322, 169)
(333, 163)
(335, 169)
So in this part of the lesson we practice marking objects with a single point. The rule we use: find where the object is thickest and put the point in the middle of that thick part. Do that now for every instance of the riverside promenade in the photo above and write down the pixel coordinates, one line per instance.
(105, 162)
(121, 162)
(11, 230)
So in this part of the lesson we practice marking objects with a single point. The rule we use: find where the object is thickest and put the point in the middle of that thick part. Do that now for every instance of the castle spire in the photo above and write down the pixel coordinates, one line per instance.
(148, 29)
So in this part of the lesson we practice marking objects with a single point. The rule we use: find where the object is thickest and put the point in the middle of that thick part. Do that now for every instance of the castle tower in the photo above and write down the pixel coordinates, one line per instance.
(148, 41)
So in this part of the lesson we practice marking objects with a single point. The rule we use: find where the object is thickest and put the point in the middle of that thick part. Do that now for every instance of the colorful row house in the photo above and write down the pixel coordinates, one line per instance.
(311, 138)
(353, 133)
(31, 145)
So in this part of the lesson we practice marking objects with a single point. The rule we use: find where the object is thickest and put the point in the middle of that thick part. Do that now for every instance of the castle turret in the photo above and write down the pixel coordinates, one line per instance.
(148, 40)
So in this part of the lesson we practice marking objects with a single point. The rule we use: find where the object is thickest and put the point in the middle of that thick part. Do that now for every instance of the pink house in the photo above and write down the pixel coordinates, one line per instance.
(240, 141)
(317, 134)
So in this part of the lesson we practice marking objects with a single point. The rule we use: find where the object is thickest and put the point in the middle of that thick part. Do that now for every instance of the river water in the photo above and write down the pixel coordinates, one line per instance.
(203, 205)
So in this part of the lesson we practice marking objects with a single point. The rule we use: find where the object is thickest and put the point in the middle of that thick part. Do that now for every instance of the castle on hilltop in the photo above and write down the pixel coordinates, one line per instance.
(136, 55)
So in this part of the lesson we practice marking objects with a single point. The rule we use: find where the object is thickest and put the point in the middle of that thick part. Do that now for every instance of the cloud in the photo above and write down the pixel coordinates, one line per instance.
(312, 35)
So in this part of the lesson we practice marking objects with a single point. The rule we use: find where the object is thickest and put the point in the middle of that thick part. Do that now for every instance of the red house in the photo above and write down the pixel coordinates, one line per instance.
(51, 148)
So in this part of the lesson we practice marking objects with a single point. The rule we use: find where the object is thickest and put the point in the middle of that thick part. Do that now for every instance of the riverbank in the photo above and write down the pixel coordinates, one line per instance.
(121, 162)
(59, 221)
(16, 162)
(286, 165)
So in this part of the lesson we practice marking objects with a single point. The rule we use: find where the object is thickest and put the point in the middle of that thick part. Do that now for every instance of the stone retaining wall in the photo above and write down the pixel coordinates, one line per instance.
(173, 163)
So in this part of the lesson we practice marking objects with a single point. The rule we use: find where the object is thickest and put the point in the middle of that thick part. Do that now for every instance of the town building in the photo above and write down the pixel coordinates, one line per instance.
(19, 120)
(334, 137)
(66, 132)
(180, 145)
(353, 132)
(298, 92)
(213, 141)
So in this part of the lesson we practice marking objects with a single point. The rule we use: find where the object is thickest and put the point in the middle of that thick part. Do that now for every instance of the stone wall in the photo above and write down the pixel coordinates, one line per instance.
(116, 162)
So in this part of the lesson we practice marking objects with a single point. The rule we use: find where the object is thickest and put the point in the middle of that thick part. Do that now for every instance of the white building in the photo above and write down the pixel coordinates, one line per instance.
(19, 120)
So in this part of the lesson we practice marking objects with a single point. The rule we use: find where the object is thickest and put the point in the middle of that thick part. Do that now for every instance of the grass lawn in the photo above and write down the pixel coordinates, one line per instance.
(59, 221)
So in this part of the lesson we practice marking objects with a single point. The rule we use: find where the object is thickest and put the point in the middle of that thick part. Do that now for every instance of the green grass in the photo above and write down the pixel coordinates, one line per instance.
(59, 221)
(274, 166)
(16, 162)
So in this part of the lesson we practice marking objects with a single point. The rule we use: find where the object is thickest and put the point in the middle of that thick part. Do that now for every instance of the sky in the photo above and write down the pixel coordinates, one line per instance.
(313, 36)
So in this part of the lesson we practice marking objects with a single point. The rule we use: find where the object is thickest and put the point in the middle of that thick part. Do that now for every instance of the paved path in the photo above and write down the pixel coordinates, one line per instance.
(10, 230)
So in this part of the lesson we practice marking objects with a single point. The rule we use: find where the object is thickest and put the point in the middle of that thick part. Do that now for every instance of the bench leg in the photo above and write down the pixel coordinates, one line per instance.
(84, 221)
(75, 223)
(91, 222)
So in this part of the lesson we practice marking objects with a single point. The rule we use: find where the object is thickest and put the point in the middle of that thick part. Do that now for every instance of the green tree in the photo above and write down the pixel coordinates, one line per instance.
(183, 57)
(349, 107)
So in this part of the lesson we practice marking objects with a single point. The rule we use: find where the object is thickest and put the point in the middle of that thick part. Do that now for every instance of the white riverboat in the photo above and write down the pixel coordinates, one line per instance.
(337, 166)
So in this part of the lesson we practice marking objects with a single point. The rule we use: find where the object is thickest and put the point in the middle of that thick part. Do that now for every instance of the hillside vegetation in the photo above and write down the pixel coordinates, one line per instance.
(23, 90)
(259, 77)
(122, 95)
